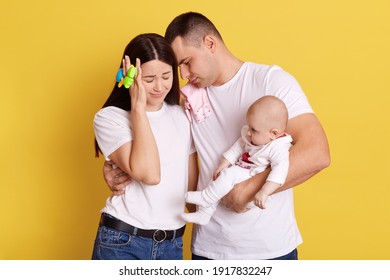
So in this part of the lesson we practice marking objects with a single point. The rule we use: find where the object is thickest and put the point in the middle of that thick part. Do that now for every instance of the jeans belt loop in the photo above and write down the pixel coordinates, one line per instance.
(174, 234)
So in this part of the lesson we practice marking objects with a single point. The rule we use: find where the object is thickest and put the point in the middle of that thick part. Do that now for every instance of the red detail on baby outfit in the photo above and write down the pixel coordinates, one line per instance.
(245, 157)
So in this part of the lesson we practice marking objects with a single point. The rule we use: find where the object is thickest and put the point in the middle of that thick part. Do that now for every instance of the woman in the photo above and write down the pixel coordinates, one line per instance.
(145, 132)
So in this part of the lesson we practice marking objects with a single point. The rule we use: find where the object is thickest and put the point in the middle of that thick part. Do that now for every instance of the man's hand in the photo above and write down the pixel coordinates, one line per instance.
(234, 201)
(243, 193)
(116, 179)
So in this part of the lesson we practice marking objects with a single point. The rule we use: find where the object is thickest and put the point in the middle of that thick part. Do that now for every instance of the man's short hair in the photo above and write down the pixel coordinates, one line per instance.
(191, 26)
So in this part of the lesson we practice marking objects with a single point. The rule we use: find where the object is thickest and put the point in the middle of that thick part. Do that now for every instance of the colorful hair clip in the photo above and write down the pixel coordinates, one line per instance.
(119, 77)
(129, 79)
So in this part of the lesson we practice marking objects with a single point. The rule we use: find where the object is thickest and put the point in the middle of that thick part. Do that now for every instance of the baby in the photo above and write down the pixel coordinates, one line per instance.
(263, 142)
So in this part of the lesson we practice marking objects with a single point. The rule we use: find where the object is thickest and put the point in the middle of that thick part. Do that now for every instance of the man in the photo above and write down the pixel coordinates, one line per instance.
(238, 230)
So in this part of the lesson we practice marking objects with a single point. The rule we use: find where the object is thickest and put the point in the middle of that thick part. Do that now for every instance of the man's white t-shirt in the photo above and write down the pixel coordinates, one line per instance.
(143, 206)
(257, 233)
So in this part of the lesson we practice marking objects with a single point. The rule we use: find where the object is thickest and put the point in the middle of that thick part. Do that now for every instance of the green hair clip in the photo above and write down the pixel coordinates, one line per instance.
(129, 79)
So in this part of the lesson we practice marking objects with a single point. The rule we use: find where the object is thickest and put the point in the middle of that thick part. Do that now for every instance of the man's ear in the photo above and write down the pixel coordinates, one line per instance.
(210, 42)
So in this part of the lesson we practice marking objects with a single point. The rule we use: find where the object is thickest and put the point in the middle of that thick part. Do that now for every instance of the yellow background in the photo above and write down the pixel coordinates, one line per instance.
(58, 60)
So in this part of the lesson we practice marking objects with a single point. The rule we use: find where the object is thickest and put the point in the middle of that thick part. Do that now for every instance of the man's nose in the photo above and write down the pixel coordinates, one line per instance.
(184, 73)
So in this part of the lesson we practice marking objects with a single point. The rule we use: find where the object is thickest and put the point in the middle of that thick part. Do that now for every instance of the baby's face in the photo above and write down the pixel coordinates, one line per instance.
(259, 132)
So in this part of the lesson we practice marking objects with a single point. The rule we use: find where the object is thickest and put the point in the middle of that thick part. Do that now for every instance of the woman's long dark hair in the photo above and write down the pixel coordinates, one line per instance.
(146, 47)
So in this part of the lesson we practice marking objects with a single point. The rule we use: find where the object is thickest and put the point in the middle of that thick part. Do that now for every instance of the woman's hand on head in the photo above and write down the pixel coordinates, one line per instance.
(137, 90)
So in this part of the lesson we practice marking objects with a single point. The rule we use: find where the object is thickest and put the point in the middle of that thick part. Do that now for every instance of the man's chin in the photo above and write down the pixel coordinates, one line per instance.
(200, 84)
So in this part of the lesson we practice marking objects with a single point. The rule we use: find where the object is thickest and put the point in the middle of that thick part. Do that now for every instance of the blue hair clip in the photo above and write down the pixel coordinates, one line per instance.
(119, 75)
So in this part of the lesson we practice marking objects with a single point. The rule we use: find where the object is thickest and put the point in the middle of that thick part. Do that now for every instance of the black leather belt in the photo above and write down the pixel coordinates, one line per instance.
(158, 235)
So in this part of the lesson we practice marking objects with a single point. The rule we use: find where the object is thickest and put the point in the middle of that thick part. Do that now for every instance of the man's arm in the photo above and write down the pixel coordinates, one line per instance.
(193, 172)
(308, 156)
(116, 178)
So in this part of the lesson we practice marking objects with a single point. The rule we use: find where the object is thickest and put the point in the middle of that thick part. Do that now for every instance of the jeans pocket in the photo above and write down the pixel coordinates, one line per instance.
(112, 237)
(178, 242)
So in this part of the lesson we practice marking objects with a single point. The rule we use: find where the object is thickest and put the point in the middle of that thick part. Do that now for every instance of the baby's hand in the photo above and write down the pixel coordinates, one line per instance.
(260, 199)
(216, 174)
(224, 164)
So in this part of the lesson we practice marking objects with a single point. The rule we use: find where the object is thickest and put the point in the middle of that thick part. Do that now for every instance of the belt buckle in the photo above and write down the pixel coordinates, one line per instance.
(159, 235)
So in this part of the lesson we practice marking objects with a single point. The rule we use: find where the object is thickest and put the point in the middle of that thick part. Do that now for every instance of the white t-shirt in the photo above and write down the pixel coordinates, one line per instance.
(143, 206)
(256, 234)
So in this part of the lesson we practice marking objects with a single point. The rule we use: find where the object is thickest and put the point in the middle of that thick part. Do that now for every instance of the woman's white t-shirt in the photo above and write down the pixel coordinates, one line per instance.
(143, 206)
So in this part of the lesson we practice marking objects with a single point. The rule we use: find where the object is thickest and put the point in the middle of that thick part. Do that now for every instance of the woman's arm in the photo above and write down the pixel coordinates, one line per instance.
(308, 156)
(139, 158)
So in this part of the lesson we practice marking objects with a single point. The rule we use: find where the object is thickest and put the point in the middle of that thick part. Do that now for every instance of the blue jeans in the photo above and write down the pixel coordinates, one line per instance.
(290, 256)
(112, 244)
